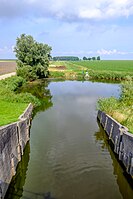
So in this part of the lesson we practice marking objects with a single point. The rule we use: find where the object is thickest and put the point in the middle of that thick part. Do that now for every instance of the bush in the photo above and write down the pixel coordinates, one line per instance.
(9, 85)
(27, 73)
(13, 83)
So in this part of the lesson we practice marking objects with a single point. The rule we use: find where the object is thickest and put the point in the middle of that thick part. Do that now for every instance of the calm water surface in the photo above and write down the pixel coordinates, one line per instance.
(69, 154)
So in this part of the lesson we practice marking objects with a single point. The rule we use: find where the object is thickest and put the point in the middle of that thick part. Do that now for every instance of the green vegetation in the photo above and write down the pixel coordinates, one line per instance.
(92, 58)
(32, 63)
(12, 104)
(8, 94)
(56, 74)
(65, 58)
(109, 65)
(33, 58)
(10, 111)
(110, 70)
(120, 109)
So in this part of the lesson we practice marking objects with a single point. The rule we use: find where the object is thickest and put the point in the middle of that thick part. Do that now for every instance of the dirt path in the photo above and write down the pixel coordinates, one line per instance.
(7, 75)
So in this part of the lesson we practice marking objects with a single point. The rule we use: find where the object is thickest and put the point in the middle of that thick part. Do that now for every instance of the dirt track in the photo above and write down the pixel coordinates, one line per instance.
(7, 75)
(7, 67)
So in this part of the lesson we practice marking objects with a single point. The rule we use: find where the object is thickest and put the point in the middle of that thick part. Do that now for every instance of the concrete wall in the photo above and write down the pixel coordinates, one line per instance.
(13, 138)
(121, 139)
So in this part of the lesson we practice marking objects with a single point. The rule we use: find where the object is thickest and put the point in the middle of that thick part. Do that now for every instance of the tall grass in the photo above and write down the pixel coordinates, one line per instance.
(120, 109)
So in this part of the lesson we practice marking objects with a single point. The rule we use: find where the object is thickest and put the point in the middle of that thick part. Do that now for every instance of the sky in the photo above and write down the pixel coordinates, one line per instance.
(71, 27)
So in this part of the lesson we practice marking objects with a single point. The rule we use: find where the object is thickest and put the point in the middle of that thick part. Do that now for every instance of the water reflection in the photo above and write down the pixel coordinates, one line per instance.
(41, 91)
(67, 161)
(16, 187)
(124, 181)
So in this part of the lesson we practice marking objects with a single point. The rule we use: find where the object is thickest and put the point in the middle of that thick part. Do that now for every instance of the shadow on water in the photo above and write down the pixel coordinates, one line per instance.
(124, 181)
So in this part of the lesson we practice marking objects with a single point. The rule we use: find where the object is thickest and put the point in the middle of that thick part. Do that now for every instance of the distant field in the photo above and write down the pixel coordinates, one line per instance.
(103, 65)
(7, 66)
(7, 60)
(111, 65)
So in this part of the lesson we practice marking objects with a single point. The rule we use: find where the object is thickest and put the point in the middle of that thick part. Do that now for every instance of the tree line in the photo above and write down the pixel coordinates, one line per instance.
(92, 58)
(65, 58)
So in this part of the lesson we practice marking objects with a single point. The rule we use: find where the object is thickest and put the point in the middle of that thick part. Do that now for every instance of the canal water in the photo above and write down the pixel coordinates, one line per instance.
(68, 156)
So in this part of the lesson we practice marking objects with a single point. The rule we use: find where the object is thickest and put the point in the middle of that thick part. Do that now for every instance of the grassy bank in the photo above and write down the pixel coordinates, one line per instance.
(110, 70)
(12, 105)
(10, 111)
(120, 109)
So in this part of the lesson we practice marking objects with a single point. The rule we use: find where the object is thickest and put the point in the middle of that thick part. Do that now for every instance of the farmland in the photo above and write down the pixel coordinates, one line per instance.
(109, 65)
(115, 70)
(7, 66)
(118, 68)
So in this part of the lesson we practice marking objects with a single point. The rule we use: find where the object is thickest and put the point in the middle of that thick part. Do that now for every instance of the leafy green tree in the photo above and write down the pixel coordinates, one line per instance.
(84, 58)
(98, 58)
(33, 57)
(93, 58)
(65, 58)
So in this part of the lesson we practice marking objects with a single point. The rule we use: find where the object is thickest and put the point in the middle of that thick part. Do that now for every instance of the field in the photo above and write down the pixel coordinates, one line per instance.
(7, 67)
(113, 69)
(119, 67)
(110, 65)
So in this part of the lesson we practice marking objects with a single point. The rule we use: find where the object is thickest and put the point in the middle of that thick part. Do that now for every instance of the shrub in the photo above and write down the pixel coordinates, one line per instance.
(13, 83)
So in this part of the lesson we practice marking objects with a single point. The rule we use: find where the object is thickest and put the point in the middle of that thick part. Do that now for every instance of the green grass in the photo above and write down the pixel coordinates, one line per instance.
(112, 69)
(107, 65)
(10, 112)
(120, 109)
(13, 104)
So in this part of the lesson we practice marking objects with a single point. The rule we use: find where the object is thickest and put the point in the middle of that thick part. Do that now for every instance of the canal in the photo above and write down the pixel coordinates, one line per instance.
(68, 156)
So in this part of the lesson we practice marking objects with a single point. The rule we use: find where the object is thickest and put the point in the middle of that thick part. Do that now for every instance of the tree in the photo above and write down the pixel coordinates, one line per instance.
(65, 58)
(84, 58)
(33, 57)
(93, 58)
(98, 58)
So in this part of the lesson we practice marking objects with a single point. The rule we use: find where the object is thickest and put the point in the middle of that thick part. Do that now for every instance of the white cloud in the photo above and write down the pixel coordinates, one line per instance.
(112, 52)
(67, 9)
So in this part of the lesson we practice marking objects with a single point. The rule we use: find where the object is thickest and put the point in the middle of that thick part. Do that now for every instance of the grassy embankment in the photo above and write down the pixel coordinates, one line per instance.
(120, 109)
(12, 104)
(108, 70)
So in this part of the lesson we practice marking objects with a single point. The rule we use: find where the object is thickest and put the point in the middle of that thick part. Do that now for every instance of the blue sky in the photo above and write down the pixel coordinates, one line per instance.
(79, 27)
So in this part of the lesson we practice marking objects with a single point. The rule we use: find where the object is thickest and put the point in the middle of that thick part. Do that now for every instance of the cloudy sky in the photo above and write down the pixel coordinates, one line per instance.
(72, 27)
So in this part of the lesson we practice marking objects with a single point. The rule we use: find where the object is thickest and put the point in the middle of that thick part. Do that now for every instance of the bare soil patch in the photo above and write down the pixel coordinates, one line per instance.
(7, 67)
(58, 67)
